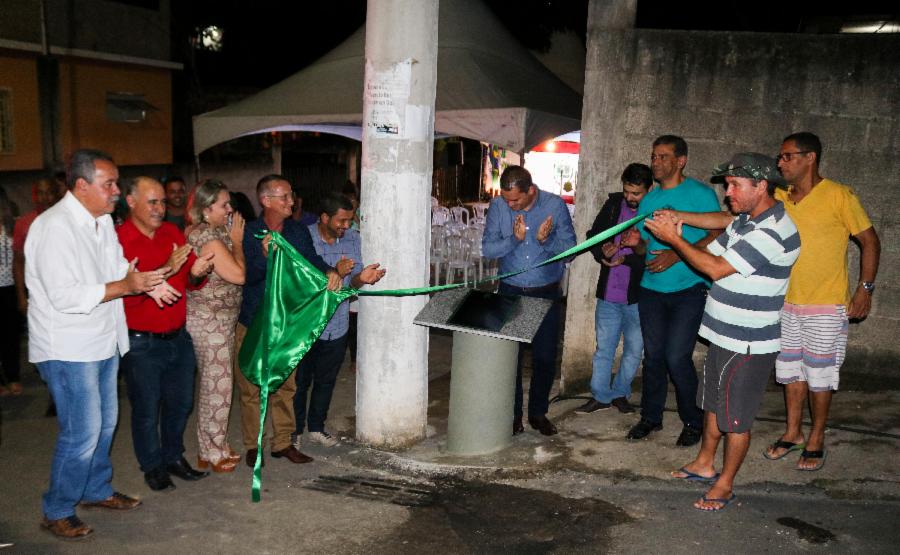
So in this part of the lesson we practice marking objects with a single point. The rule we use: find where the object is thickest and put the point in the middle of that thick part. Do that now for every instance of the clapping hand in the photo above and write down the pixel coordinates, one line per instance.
(371, 274)
(344, 266)
(202, 266)
(178, 257)
(164, 293)
(519, 227)
(545, 230)
(237, 229)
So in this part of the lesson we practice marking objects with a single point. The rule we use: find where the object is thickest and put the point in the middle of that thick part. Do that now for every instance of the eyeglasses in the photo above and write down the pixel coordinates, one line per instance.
(788, 156)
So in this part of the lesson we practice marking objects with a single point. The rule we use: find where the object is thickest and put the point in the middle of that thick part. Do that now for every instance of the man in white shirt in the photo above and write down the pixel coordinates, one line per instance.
(76, 275)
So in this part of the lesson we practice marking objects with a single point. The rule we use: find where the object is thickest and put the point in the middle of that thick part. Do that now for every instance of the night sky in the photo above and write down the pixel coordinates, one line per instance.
(268, 40)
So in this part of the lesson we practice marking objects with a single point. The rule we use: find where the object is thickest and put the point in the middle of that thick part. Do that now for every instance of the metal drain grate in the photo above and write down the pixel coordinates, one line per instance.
(384, 491)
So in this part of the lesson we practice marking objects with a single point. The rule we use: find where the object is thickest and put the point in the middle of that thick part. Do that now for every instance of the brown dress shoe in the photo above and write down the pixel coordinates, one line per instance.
(117, 502)
(290, 453)
(250, 458)
(543, 425)
(69, 528)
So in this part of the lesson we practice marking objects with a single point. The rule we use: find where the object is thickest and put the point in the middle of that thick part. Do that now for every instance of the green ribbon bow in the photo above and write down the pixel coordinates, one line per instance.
(297, 306)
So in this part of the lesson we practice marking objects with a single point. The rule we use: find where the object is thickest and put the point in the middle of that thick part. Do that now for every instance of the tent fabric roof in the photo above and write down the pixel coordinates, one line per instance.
(489, 88)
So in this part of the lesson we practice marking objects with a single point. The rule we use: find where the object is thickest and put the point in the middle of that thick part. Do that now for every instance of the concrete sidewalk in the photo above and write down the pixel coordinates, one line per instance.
(585, 490)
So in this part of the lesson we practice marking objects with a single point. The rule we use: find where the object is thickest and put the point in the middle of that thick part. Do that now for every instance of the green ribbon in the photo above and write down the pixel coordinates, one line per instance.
(297, 306)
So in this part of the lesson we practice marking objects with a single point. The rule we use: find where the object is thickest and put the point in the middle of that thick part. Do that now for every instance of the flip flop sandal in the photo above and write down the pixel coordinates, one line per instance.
(724, 503)
(813, 455)
(781, 444)
(693, 477)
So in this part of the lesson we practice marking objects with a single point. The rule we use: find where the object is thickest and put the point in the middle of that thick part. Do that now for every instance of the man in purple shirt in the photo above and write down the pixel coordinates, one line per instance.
(616, 315)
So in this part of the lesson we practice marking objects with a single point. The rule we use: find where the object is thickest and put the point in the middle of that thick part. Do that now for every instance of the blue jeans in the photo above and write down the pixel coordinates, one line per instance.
(160, 378)
(87, 408)
(613, 320)
(544, 347)
(669, 322)
(319, 369)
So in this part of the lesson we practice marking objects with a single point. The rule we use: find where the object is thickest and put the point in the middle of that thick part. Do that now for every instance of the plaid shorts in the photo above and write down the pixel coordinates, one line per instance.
(813, 345)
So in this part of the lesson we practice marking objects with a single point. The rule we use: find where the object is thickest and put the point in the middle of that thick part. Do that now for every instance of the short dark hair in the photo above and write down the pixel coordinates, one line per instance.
(332, 202)
(806, 141)
(680, 145)
(173, 179)
(516, 176)
(262, 186)
(638, 174)
(81, 165)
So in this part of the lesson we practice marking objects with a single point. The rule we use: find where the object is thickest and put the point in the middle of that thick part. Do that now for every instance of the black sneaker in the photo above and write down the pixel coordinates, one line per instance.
(689, 436)
(642, 429)
(592, 406)
(623, 405)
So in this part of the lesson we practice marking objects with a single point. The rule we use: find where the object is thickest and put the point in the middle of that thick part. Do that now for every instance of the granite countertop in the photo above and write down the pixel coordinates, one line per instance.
(522, 326)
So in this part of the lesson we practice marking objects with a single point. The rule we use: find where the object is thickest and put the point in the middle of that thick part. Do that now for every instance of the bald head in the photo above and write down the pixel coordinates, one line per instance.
(146, 200)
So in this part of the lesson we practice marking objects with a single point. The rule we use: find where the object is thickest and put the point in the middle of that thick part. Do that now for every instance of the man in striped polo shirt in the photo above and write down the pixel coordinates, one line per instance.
(750, 264)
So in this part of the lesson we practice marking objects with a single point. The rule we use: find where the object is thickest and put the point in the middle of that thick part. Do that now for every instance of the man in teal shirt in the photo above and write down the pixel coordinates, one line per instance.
(672, 295)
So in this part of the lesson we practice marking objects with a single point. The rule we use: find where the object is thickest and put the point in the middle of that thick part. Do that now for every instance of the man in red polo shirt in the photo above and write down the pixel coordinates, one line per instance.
(159, 368)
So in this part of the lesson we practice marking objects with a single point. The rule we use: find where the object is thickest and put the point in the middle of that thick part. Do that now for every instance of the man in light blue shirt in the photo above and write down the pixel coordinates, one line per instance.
(340, 247)
(526, 226)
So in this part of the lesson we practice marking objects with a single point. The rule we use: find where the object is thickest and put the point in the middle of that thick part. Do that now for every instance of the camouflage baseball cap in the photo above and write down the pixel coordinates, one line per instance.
(752, 165)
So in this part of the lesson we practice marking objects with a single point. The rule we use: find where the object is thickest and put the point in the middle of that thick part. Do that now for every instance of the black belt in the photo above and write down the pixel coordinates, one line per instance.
(155, 335)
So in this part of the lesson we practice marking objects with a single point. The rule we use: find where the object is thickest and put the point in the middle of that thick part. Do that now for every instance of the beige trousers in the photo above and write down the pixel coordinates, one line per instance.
(281, 405)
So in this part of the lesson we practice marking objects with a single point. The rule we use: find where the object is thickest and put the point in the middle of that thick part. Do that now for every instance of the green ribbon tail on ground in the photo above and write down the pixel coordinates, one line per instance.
(297, 306)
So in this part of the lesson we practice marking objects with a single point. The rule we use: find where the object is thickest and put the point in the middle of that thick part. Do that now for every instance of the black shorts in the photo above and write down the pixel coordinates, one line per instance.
(733, 386)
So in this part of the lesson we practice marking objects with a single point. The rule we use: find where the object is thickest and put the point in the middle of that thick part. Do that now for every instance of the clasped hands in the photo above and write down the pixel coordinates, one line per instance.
(611, 250)
(543, 231)
(666, 226)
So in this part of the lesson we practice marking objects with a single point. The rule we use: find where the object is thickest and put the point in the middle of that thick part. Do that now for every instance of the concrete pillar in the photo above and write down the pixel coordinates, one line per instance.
(599, 169)
(398, 131)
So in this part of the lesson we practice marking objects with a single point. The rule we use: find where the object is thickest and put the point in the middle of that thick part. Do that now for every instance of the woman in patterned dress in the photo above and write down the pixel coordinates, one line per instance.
(211, 316)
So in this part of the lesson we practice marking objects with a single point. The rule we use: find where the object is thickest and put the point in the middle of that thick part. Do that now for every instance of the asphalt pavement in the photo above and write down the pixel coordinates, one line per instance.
(585, 490)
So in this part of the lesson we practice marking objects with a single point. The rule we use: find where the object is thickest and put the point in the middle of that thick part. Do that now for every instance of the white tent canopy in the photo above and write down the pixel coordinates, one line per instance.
(489, 88)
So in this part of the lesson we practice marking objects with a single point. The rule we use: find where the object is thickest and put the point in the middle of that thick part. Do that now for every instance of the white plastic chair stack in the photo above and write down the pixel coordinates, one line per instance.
(440, 215)
(459, 219)
(457, 258)
(438, 255)
(473, 234)
(480, 213)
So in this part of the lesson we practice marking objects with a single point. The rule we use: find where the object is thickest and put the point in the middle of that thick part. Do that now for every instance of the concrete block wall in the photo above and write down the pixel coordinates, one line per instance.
(728, 92)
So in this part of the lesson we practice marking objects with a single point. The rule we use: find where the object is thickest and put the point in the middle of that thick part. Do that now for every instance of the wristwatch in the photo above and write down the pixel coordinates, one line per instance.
(869, 286)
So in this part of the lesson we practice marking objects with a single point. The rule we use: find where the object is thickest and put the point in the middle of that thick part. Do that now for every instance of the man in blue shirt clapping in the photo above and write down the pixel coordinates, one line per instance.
(526, 226)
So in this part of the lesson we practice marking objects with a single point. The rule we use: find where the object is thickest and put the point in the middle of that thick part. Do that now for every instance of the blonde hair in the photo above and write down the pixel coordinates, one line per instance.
(202, 197)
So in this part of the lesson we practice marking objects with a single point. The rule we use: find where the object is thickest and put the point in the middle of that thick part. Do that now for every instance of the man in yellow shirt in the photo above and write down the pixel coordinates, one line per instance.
(818, 304)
